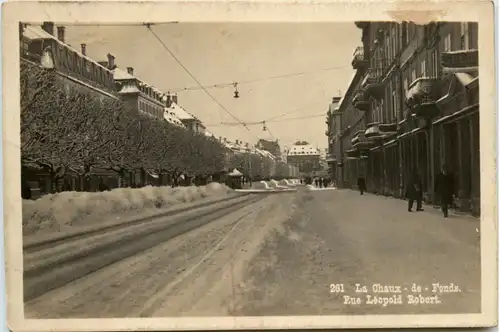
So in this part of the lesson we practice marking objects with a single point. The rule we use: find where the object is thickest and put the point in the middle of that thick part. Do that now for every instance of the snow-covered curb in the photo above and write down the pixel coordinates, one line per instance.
(63, 211)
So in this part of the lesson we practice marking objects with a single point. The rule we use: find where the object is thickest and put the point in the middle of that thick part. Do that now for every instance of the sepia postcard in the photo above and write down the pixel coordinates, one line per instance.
(249, 165)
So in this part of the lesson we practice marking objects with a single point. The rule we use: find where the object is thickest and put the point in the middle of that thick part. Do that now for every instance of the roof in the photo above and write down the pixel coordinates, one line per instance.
(120, 74)
(301, 150)
(170, 117)
(36, 32)
(180, 112)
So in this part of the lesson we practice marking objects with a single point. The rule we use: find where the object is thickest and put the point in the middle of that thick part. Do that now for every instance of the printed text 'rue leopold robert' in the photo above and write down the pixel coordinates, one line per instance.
(385, 295)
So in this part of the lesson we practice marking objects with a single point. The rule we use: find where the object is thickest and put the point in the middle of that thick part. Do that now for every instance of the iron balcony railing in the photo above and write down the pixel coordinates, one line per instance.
(373, 76)
(359, 54)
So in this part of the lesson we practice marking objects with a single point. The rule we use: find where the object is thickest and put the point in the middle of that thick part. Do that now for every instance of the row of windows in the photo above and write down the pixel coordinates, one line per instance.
(154, 110)
(150, 92)
(383, 55)
(73, 62)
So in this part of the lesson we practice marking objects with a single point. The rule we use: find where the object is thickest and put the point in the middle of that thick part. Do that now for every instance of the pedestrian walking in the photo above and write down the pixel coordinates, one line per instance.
(361, 185)
(444, 188)
(316, 182)
(414, 192)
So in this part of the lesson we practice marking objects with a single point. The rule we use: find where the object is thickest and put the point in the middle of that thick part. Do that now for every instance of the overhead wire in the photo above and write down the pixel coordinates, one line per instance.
(271, 121)
(226, 85)
(195, 79)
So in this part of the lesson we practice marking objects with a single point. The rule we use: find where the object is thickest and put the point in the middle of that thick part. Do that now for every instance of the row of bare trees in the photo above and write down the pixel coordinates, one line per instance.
(71, 130)
(74, 131)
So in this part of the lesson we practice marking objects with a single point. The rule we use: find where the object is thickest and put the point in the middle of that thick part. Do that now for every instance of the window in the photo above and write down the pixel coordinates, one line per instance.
(405, 85)
(413, 75)
(447, 43)
(423, 68)
(404, 34)
(381, 111)
(434, 64)
(464, 36)
(394, 105)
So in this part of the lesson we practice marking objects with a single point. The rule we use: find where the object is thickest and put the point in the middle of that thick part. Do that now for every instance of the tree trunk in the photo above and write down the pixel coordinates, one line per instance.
(87, 184)
(142, 177)
(121, 175)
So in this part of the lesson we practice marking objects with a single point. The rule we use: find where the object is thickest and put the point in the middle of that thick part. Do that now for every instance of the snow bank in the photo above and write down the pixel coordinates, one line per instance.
(70, 208)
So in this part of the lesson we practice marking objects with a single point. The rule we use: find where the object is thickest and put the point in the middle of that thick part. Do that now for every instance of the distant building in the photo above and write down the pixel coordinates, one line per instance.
(304, 156)
(272, 146)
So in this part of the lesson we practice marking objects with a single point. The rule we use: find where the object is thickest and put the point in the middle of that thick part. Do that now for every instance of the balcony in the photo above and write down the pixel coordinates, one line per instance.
(360, 142)
(421, 97)
(372, 83)
(358, 60)
(360, 101)
(380, 131)
(362, 24)
(327, 133)
(331, 158)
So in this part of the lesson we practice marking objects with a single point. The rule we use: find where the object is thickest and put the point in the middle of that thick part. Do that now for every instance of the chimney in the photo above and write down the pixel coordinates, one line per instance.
(61, 33)
(174, 98)
(130, 70)
(169, 100)
(336, 99)
(84, 49)
(48, 27)
(111, 61)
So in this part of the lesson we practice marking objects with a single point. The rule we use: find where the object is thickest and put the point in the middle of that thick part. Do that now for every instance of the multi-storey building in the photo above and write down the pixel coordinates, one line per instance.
(420, 105)
(73, 68)
(271, 146)
(138, 96)
(305, 157)
(75, 72)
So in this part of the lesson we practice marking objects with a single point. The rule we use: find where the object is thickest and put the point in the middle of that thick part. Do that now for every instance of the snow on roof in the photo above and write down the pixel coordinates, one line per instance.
(36, 32)
(268, 154)
(464, 78)
(303, 150)
(129, 88)
(170, 117)
(235, 172)
(472, 50)
(180, 112)
(120, 74)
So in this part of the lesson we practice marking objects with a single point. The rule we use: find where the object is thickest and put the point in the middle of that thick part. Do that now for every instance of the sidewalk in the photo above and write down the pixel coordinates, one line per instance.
(428, 208)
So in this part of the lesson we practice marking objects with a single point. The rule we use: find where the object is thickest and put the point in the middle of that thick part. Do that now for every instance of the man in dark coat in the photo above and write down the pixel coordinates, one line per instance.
(414, 191)
(361, 185)
(444, 187)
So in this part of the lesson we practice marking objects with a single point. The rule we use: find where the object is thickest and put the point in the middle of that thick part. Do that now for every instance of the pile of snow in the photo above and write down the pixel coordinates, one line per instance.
(275, 184)
(70, 208)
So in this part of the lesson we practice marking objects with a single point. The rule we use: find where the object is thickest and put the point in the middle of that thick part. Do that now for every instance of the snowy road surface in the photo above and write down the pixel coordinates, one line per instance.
(298, 253)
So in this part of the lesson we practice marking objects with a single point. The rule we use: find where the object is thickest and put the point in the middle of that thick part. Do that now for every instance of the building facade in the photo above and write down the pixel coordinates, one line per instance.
(305, 157)
(138, 96)
(42, 47)
(418, 96)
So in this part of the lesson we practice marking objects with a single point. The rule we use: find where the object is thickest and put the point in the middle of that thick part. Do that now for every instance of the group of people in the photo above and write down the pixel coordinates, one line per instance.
(444, 190)
(321, 182)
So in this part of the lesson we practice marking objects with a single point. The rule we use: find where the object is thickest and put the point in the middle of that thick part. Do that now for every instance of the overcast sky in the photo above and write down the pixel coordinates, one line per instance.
(237, 52)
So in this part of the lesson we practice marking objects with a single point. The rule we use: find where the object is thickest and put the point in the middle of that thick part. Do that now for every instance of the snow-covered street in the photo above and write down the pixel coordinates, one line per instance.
(280, 256)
